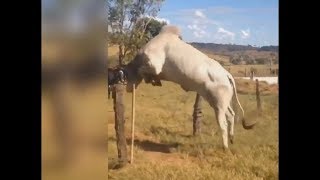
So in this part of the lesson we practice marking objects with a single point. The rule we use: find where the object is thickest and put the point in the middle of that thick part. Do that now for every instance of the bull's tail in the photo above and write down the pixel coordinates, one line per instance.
(245, 126)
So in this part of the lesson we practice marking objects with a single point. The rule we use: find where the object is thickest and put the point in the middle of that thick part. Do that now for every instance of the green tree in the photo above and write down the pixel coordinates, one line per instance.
(128, 22)
(154, 27)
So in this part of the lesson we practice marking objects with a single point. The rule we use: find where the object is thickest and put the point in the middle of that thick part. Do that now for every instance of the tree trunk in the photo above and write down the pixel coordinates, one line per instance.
(118, 104)
(121, 57)
(197, 115)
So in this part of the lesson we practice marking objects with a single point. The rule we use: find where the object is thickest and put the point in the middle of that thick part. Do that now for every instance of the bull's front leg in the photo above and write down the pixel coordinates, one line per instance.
(153, 79)
(147, 79)
(156, 81)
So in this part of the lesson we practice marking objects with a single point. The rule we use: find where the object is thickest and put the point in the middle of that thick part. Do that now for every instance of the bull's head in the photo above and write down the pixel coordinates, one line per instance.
(133, 71)
(138, 69)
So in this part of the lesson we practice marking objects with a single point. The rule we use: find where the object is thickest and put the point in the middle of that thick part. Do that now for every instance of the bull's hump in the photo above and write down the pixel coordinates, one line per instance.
(169, 29)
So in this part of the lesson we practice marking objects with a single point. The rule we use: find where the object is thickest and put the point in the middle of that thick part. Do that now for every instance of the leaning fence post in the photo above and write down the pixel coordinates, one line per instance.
(258, 96)
(197, 115)
(118, 104)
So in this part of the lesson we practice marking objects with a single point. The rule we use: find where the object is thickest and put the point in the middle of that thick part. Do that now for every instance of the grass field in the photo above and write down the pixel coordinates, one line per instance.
(165, 148)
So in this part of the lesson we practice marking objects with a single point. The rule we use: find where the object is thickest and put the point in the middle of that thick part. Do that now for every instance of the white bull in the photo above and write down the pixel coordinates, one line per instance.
(167, 57)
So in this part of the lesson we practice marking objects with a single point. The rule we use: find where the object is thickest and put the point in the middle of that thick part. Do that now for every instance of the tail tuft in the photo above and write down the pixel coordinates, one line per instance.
(246, 126)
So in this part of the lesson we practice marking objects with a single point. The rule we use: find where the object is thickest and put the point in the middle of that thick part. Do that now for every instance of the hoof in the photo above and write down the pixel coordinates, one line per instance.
(119, 166)
(231, 139)
(248, 126)
(227, 151)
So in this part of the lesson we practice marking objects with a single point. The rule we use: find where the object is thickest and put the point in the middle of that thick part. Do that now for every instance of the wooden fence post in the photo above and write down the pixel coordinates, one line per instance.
(258, 96)
(271, 71)
(197, 115)
(118, 104)
(132, 121)
(252, 75)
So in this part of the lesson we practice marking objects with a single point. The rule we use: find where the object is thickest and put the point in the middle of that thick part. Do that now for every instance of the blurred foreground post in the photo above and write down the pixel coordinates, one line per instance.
(118, 104)
(258, 96)
(197, 115)
(132, 122)
(62, 122)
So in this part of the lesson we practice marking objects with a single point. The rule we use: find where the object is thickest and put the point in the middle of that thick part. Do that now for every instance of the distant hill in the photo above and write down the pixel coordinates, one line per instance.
(232, 47)
(270, 48)
(239, 54)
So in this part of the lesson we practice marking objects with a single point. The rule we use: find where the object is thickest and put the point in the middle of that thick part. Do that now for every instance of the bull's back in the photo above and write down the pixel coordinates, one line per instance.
(194, 64)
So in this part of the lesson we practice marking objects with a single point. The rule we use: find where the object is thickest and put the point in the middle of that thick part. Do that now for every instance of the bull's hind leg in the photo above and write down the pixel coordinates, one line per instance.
(219, 98)
(230, 118)
(221, 117)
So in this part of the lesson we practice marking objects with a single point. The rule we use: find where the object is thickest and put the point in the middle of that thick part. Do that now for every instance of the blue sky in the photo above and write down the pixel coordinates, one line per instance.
(253, 22)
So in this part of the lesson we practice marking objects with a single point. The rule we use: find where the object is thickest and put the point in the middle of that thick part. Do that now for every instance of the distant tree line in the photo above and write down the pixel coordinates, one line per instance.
(232, 47)
(250, 60)
(246, 59)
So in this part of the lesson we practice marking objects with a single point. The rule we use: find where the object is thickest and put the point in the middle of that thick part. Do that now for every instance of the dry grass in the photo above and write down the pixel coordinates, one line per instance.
(245, 86)
(262, 70)
(166, 149)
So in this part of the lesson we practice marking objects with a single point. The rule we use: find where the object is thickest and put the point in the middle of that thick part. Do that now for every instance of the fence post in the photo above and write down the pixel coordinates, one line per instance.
(271, 71)
(118, 105)
(132, 121)
(197, 115)
(251, 75)
(245, 72)
(258, 96)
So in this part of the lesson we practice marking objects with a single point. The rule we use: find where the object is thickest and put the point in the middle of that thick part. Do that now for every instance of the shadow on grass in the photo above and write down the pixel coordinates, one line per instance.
(114, 164)
(158, 130)
(147, 145)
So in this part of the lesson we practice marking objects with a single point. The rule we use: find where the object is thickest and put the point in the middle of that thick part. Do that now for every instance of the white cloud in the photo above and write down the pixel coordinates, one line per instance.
(196, 34)
(162, 20)
(199, 13)
(199, 25)
(245, 34)
(194, 27)
(159, 19)
(226, 33)
(197, 30)
(223, 10)
(219, 28)
(199, 34)
(202, 32)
